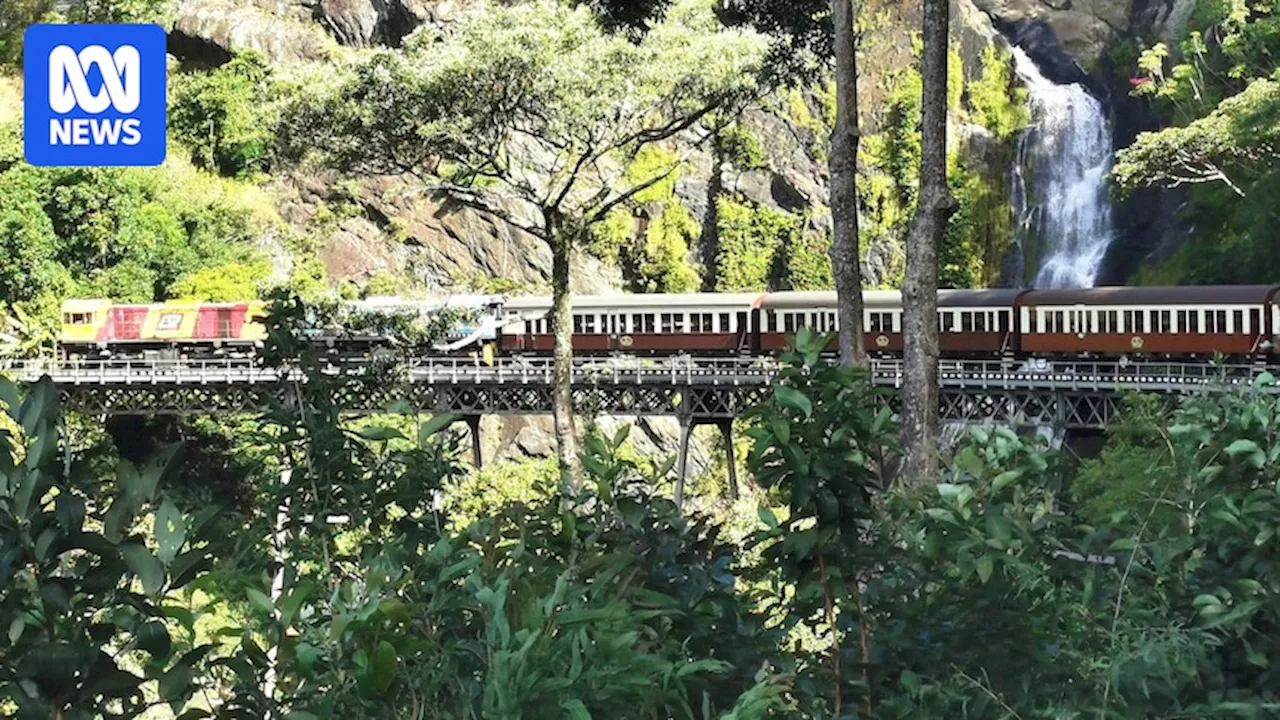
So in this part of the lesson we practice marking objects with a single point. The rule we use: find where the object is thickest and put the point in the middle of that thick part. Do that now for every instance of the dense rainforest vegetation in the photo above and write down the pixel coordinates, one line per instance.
(306, 566)
(1217, 89)
(301, 564)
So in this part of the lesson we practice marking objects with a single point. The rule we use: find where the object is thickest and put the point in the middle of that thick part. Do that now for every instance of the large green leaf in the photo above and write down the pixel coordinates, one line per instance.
(793, 399)
(145, 566)
(170, 531)
(385, 663)
(154, 638)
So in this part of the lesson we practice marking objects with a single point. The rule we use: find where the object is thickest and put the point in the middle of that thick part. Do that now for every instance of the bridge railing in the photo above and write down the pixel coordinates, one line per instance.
(721, 371)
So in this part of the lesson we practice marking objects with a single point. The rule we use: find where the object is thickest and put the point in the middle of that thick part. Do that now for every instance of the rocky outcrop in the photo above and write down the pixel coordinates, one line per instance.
(1079, 29)
(208, 32)
(385, 225)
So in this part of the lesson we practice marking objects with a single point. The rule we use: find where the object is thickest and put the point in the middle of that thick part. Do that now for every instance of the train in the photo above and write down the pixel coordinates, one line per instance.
(1239, 322)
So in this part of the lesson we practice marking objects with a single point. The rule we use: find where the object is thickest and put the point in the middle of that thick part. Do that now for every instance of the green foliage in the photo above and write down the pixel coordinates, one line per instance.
(493, 490)
(223, 283)
(125, 234)
(83, 572)
(749, 238)
(224, 115)
(15, 16)
(656, 168)
(807, 263)
(663, 264)
(737, 145)
(980, 234)
(998, 102)
(1218, 89)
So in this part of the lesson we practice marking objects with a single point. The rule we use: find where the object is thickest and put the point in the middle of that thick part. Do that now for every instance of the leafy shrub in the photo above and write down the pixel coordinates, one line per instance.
(224, 116)
(748, 239)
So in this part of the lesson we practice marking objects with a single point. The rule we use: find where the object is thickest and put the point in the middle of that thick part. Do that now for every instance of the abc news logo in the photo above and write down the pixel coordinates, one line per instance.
(95, 95)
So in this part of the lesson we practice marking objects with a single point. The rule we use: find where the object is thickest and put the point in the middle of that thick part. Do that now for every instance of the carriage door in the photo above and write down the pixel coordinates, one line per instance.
(224, 322)
(1080, 322)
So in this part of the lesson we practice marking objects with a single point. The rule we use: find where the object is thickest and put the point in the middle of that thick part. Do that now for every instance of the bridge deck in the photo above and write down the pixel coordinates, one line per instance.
(1062, 394)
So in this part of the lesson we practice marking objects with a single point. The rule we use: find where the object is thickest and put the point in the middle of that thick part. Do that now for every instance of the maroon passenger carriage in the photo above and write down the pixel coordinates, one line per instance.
(1235, 321)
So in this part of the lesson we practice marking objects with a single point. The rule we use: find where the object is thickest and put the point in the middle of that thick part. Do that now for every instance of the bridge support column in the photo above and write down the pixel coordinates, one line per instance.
(473, 424)
(682, 459)
(726, 433)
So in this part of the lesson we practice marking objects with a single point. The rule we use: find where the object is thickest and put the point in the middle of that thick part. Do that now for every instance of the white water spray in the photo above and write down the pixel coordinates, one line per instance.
(1063, 161)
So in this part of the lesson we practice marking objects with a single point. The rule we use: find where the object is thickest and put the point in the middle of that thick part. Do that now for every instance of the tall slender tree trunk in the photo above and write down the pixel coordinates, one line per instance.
(561, 239)
(845, 264)
(920, 291)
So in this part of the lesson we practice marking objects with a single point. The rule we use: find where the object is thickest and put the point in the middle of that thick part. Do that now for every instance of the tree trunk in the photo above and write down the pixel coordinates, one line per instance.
(562, 323)
(920, 291)
(845, 264)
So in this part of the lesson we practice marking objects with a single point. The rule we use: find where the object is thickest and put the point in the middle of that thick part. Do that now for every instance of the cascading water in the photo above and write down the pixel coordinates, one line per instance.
(1060, 197)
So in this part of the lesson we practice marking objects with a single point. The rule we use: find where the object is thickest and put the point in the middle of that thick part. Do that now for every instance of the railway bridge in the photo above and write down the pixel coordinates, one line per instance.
(1064, 395)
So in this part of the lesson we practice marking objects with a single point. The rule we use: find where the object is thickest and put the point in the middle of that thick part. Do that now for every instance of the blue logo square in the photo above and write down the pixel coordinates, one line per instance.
(94, 95)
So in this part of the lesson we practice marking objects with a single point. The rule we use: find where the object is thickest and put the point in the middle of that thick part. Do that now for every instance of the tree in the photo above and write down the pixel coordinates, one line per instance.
(920, 291)
(845, 263)
(1234, 145)
(533, 113)
(809, 33)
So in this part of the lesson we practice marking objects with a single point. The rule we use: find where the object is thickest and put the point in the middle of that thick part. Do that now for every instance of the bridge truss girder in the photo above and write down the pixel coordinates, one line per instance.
(1044, 407)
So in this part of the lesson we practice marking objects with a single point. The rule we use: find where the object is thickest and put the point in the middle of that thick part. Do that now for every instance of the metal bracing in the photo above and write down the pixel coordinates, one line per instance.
(1057, 394)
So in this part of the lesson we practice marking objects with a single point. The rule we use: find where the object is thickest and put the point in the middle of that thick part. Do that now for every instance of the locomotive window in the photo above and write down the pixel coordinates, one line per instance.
(78, 318)
(875, 322)
(1237, 316)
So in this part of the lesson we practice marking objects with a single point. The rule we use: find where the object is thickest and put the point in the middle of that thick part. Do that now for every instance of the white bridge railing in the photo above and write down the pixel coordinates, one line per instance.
(1102, 375)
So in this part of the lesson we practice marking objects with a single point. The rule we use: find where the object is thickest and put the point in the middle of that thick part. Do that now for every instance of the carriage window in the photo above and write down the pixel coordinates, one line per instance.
(789, 323)
(833, 321)
(646, 323)
(577, 324)
(980, 322)
(1166, 321)
(589, 324)
(666, 323)
(1254, 325)
(695, 322)
(875, 322)
(1215, 321)
(946, 322)
(1237, 317)
(1193, 321)
(1032, 321)
(724, 322)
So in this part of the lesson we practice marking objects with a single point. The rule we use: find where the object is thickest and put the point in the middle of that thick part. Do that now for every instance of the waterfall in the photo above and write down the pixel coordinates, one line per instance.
(1061, 200)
